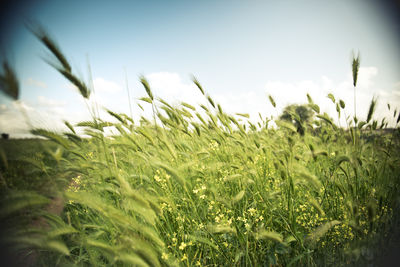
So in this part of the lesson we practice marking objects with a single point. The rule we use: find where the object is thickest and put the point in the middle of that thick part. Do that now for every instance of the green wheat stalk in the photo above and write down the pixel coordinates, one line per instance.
(355, 64)
(9, 82)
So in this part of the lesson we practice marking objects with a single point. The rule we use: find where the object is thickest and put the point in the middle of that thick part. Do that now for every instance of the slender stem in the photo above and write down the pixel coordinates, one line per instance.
(129, 97)
(154, 116)
(96, 106)
(355, 107)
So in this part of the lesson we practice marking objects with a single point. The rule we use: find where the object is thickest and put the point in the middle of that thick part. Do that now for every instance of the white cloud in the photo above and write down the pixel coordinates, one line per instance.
(106, 93)
(396, 89)
(17, 119)
(70, 86)
(44, 101)
(36, 83)
(21, 105)
(20, 117)
(366, 76)
(285, 93)
(250, 102)
(50, 113)
(382, 93)
(173, 89)
(295, 92)
(102, 85)
(170, 87)
(12, 122)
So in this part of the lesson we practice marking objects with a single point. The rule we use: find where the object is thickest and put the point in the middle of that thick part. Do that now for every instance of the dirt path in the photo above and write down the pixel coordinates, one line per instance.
(29, 257)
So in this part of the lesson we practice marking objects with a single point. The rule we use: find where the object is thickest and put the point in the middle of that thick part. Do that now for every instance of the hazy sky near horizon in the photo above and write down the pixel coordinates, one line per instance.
(240, 51)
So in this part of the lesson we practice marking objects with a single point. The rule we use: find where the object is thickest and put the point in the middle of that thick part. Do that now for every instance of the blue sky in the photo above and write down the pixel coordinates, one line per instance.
(241, 51)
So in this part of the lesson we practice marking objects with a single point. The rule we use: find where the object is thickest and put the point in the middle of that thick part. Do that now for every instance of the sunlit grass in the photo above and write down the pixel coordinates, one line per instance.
(198, 186)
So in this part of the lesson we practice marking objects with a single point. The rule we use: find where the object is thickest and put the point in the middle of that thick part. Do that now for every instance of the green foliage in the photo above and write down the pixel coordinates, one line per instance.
(146, 86)
(18, 200)
(59, 62)
(304, 114)
(260, 196)
(197, 83)
(342, 104)
(355, 64)
(272, 101)
(41, 34)
(331, 97)
(9, 82)
(371, 109)
(203, 187)
(299, 115)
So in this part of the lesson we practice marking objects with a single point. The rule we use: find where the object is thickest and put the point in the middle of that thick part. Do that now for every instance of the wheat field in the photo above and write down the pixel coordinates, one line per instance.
(196, 186)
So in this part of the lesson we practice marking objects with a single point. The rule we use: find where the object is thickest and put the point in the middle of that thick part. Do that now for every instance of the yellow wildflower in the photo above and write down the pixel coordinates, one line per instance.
(164, 256)
(182, 246)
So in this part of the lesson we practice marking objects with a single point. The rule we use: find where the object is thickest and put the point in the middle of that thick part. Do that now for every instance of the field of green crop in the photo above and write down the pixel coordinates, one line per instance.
(195, 186)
